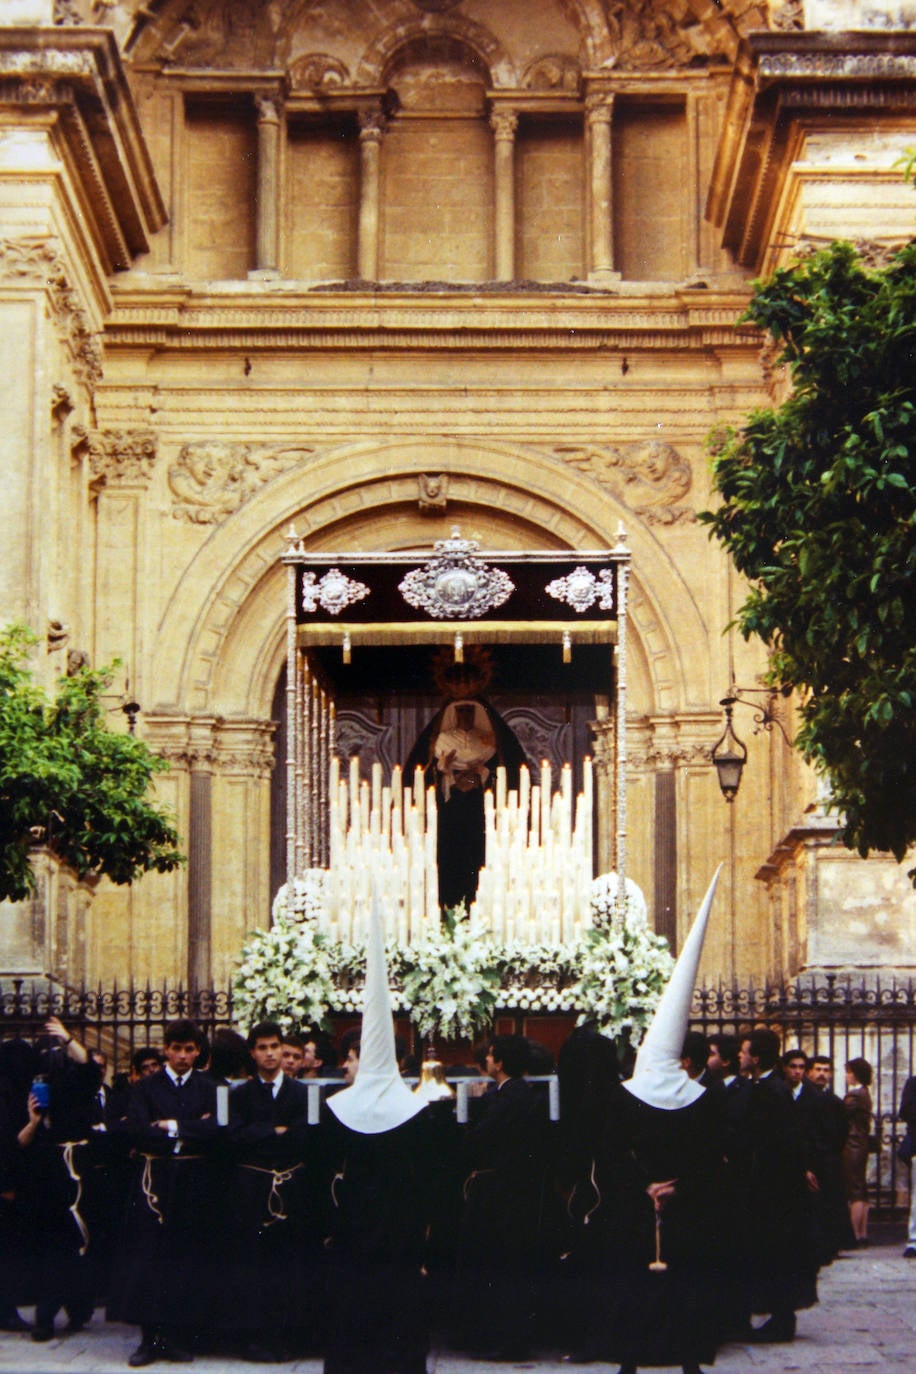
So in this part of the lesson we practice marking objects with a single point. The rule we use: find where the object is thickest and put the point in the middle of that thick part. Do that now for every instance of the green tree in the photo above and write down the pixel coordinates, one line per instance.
(819, 513)
(69, 782)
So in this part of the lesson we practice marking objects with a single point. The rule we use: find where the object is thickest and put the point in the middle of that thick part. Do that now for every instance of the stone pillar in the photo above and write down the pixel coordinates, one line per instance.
(241, 893)
(121, 465)
(371, 130)
(504, 124)
(200, 852)
(269, 126)
(599, 107)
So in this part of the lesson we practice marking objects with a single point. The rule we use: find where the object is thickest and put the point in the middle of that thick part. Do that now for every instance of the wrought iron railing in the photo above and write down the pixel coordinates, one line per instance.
(840, 1016)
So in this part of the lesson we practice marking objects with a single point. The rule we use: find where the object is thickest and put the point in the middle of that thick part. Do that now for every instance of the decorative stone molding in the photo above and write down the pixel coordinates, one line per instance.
(36, 261)
(211, 479)
(62, 403)
(122, 458)
(555, 72)
(604, 752)
(245, 749)
(504, 124)
(665, 743)
(649, 477)
(647, 37)
(318, 71)
(875, 253)
(372, 126)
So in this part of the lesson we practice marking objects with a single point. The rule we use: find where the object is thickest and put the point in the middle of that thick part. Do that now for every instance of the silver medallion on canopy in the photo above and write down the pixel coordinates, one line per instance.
(333, 593)
(455, 584)
(580, 589)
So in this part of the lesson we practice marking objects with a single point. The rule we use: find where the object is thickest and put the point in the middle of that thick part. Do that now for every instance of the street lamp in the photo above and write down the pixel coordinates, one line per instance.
(729, 753)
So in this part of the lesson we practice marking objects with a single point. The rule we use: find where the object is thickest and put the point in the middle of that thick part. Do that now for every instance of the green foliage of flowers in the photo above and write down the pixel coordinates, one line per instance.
(69, 782)
(451, 984)
(623, 967)
(819, 513)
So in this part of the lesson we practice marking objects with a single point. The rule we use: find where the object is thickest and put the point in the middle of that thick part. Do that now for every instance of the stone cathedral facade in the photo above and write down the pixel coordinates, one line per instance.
(375, 269)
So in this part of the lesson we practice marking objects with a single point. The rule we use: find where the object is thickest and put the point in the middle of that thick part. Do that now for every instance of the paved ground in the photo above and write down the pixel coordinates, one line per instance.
(866, 1322)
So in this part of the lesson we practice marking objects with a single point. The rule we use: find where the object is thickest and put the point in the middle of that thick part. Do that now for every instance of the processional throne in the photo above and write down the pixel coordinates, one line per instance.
(550, 623)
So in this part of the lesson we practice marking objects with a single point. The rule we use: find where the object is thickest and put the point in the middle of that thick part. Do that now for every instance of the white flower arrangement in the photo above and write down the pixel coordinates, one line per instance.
(308, 900)
(285, 975)
(625, 966)
(451, 982)
(454, 980)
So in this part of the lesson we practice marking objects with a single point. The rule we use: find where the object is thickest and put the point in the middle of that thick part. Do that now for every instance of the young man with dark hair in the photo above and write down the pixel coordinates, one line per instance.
(170, 1231)
(772, 1165)
(275, 1242)
(293, 1055)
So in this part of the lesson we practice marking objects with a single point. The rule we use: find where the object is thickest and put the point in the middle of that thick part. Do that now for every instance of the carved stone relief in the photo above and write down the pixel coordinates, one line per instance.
(317, 71)
(649, 477)
(121, 458)
(553, 72)
(36, 260)
(211, 479)
(646, 35)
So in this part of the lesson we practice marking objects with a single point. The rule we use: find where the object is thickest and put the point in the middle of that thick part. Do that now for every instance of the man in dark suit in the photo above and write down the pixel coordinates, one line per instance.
(275, 1241)
(829, 1129)
(165, 1270)
(908, 1114)
(506, 1147)
(771, 1162)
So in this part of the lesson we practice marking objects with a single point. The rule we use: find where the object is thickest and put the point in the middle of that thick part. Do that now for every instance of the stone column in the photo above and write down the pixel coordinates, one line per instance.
(504, 124)
(241, 895)
(200, 852)
(371, 130)
(599, 107)
(269, 125)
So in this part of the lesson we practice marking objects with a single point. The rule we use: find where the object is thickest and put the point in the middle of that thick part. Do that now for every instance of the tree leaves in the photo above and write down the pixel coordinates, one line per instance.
(819, 514)
(69, 782)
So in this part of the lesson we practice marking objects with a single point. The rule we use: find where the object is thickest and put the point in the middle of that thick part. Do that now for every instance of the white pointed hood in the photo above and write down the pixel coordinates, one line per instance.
(658, 1079)
(379, 1099)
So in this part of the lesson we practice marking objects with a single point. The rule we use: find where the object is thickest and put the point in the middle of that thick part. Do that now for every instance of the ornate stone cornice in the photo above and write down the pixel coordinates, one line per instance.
(665, 743)
(121, 458)
(79, 77)
(210, 478)
(784, 83)
(35, 261)
(209, 744)
(650, 477)
(245, 748)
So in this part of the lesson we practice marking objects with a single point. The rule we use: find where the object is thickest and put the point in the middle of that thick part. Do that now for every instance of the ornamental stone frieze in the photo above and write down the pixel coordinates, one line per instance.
(121, 458)
(210, 479)
(35, 261)
(318, 71)
(649, 477)
(645, 36)
(245, 749)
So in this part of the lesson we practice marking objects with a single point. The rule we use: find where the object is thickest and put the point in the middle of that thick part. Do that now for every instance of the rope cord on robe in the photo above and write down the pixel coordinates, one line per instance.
(146, 1182)
(67, 1147)
(276, 1209)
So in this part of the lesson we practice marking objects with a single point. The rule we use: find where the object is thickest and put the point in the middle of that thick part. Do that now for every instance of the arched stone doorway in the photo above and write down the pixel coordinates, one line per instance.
(222, 642)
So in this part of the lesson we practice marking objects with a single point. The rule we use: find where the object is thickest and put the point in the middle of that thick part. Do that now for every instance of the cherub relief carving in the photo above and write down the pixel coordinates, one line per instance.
(649, 476)
(211, 478)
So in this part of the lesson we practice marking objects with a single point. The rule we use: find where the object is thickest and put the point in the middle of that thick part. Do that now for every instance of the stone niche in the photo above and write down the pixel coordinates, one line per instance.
(834, 911)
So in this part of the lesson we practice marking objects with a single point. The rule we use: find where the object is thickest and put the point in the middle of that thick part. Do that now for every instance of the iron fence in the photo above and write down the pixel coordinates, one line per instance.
(841, 1017)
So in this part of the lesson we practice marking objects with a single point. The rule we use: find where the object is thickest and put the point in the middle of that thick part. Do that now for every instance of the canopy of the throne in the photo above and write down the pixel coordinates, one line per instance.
(550, 621)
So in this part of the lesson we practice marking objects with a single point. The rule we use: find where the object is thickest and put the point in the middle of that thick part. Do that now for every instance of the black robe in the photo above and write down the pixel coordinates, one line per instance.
(670, 1317)
(275, 1236)
(164, 1274)
(382, 1202)
(460, 834)
(500, 1255)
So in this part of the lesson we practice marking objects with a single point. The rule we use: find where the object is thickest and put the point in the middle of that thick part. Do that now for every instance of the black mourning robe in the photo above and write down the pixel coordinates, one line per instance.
(672, 1317)
(164, 1272)
(383, 1196)
(460, 831)
(58, 1185)
(275, 1235)
(500, 1245)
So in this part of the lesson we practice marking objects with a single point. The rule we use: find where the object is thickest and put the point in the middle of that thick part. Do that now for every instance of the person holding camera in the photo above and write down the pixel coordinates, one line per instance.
(55, 1139)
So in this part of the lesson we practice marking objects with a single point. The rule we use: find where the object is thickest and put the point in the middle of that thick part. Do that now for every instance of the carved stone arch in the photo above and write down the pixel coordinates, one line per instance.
(591, 20)
(232, 598)
(383, 50)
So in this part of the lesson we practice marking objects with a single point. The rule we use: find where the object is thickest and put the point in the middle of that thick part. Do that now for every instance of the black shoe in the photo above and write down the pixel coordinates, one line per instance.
(40, 1332)
(909, 1253)
(255, 1353)
(777, 1329)
(145, 1353)
(168, 1350)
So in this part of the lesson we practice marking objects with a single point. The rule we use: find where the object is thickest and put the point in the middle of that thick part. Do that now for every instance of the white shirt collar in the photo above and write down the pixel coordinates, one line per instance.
(178, 1078)
(275, 1085)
